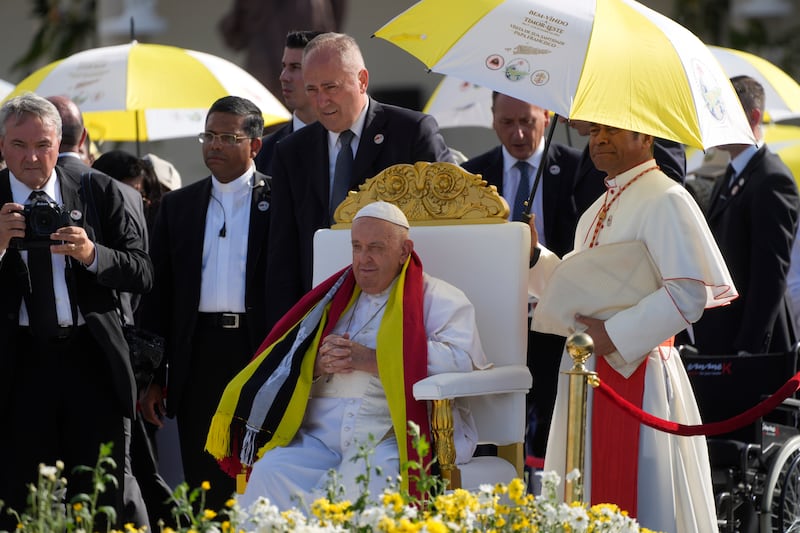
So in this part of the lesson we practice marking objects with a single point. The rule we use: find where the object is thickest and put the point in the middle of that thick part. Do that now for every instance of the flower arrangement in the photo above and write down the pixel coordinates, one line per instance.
(493, 508)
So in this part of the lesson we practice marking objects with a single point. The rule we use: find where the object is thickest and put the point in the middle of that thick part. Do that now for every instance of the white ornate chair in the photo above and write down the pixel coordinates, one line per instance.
(460, 232)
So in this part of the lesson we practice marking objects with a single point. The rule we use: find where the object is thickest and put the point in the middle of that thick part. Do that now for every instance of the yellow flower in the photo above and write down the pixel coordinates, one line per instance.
(226, 525)
(208, 514)
(77, 507)
(130, 527)
(230, 503)
(516, 490)
(205, 485)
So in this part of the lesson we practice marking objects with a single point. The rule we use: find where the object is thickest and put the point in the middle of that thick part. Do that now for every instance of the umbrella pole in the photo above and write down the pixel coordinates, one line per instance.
(526, 213)
(138, 148)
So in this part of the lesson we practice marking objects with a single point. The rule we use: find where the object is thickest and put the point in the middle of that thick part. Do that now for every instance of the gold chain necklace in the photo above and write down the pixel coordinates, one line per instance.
(608, 202)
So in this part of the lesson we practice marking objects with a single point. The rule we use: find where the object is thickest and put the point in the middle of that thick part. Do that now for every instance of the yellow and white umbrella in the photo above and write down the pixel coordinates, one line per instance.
(781, 91)
(138, 92)
(614, 62)
(457, 103)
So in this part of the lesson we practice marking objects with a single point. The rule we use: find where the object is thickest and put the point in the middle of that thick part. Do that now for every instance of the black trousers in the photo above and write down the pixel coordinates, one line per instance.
(544, 359)
(217, 355)
(61, 406)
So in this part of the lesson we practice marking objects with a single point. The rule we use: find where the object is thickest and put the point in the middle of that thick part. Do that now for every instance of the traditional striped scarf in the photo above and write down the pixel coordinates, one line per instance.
(263, 406)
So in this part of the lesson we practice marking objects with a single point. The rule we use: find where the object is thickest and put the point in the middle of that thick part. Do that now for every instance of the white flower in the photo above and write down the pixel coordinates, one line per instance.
(574, 475)
(371, 517)
(48, 472)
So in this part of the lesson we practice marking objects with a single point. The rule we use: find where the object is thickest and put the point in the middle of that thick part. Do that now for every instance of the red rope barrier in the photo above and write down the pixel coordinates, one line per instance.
(713, 428)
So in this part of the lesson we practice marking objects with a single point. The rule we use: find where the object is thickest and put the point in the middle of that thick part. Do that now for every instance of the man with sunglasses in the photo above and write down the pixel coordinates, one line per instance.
(209, 253)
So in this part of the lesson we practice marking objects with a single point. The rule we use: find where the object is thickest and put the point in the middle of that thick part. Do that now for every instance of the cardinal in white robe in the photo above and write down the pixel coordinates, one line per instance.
(668, 477)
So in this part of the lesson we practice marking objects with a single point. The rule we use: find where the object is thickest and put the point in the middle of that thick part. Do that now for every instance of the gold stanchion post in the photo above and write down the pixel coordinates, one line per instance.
(580, 347)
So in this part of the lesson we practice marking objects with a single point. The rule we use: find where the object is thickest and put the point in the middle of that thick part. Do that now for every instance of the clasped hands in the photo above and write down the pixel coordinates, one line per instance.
(338, 354)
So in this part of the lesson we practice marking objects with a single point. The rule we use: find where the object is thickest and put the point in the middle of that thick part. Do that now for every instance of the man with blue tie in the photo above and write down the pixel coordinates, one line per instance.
(355, 138)
(512, 168)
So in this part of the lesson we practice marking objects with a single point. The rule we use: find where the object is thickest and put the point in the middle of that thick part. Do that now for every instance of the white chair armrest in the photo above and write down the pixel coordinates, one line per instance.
(495, 380)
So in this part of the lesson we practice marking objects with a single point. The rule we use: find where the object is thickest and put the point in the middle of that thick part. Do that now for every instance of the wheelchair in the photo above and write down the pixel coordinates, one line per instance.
(755, 470)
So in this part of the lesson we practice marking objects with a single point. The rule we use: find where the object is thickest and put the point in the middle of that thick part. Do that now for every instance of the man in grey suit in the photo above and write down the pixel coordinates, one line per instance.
(209, 246)
(512, 167)
(307, 188)
(66, 382)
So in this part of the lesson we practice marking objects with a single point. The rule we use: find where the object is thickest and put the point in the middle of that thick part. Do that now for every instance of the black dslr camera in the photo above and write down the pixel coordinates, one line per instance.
(42, 218)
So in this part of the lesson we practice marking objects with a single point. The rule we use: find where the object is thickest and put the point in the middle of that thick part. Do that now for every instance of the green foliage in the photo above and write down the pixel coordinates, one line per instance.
(499, 509)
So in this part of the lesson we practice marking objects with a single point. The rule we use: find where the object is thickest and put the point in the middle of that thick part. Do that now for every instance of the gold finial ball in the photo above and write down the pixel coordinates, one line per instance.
(580, 346)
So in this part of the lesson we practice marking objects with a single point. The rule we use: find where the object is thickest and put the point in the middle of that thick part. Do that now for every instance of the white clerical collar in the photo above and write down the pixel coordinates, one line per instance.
(235, 185)
(20, 192)
(534, 160)
(621, 179)
(383, 295)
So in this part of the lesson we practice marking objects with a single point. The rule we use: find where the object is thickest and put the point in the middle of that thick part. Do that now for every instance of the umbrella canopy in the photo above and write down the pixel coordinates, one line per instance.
(781, 92)
(614, 62)
(138, 92)
(457, 103)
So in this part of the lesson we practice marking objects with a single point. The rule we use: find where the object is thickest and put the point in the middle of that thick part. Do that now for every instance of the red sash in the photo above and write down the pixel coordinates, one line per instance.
(615, 438)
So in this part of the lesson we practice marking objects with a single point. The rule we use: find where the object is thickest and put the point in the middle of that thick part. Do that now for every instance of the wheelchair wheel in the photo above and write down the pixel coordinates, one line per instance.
(780, 506)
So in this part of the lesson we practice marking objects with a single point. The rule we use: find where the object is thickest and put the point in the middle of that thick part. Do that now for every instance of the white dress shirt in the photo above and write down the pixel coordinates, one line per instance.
(222, 282)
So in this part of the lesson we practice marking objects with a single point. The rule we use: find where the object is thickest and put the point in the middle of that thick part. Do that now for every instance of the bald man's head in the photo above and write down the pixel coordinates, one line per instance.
(72, 130)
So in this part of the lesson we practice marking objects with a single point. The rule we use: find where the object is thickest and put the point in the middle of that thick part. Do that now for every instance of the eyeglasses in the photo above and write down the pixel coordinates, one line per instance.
(224, 138)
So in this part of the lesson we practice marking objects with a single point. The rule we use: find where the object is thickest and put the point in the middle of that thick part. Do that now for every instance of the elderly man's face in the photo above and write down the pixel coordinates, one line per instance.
(337, 94)
(379, 251)
(614, 150)
(30, 148)
(519, 125)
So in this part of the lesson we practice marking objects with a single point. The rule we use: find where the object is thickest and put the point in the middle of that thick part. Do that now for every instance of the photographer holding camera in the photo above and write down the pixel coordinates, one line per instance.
(66, 245)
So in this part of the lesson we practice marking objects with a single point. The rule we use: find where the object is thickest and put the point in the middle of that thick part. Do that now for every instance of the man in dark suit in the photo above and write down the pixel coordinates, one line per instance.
(753, 216)
(511, 167)
(66, 382)
(294, 97)
(73, 135)
(305, 193)
(588, 182)
(209, 248)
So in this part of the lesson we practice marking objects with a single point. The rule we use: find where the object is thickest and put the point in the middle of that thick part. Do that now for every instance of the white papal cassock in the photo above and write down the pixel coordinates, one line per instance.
(344, 410)
(674, 478)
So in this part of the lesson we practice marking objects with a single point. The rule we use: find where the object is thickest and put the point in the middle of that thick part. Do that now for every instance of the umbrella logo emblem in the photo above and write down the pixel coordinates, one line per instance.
(494, 62)
(540, 77)
(517, 69)
(712, 93)
(75, 215)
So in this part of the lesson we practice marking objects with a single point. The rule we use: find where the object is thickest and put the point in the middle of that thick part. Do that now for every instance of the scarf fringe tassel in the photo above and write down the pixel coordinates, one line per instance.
(218, 442)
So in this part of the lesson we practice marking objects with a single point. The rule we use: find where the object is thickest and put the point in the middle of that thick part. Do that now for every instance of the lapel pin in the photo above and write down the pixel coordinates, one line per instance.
(378, 139)
(555, 170)
(263, 205)
(75, 215)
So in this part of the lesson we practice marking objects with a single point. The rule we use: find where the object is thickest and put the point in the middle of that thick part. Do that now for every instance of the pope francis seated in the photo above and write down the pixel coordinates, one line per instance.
(340, 367)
